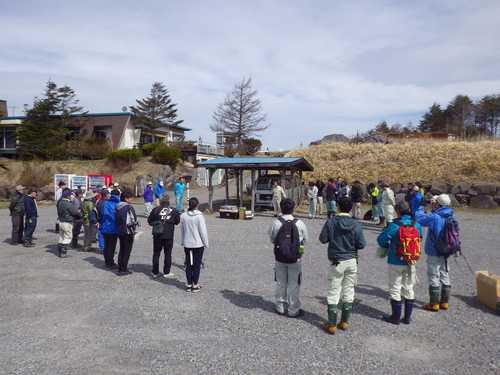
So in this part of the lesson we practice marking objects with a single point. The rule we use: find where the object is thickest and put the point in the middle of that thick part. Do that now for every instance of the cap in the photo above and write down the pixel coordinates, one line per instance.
(89, 195)
(20, 188)
(161, 183)
(150, 183)
(116, 184)
(444, 200)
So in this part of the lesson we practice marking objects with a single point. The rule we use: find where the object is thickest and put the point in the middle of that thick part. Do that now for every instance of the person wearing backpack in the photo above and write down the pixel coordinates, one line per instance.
(331, 196)
(344, 237)
(441, 242)
(89, 215)
(288, 235)
(357, 198)
(107, 225)
(163, 219)
(126, 224)
(401, 240)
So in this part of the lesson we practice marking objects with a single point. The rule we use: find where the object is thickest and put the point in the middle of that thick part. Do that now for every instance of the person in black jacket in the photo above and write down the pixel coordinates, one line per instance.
(30, 217)
(16, 209)
(357, 198)
(126, 223)
(163, 220)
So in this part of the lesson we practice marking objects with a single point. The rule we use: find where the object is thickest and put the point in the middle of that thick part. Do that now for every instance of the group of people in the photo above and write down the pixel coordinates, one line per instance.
(24, 213)
(154, 194)
(399, 242)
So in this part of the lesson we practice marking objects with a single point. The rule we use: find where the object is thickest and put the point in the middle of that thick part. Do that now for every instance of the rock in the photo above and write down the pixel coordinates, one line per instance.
(454, 201)
(332, 138)
(165, 172)
(463, 187)
(486, 189)
(472, 192)
(46, 193)
(483, 201)
(497, 199)
(463, 199)
(438, 188)
(455, 189)
(5, 192)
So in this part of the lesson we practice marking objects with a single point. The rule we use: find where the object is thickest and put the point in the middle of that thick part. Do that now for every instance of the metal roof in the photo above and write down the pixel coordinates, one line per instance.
(258, 163)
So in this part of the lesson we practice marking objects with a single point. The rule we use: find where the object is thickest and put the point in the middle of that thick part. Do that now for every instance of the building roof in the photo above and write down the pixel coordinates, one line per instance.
(258, 163)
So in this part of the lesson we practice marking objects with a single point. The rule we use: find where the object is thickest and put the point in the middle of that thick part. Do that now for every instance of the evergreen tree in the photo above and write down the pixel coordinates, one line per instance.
(460, 112)
(488, 115)
(157, 109)
(434, 120)
(67, 104)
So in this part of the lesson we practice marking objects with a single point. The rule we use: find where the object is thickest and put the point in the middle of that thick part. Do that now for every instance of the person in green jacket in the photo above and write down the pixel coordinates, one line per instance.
(16, 209)
(89, 213)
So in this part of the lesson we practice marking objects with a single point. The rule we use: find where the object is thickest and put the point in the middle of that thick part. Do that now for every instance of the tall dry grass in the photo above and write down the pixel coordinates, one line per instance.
(450, 162)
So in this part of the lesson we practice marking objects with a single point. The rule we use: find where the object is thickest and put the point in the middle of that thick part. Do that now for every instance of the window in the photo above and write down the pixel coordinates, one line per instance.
(8, 138)
(102, 132)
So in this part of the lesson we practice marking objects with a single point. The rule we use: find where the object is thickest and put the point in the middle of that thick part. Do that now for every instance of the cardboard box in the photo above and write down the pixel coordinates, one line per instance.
(229, 212)
(488, 289)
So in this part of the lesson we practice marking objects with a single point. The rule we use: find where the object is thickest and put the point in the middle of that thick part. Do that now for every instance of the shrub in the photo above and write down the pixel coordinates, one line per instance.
(88, 149)
(148, 148)
(36, 173)
(127, 156)
(164, 154)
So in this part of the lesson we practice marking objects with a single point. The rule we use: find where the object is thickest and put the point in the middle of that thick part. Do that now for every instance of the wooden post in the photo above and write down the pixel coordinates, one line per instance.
(226, 183)
(241, 187)
(210, 189)
(237, 178)
(253, 191)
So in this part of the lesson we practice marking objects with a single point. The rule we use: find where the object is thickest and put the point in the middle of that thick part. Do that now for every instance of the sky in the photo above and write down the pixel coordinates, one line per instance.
(320, 67)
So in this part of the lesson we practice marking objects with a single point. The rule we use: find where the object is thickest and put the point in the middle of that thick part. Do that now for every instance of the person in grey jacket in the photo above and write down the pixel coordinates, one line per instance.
(344, 237)
(194, 239)
(67, 212)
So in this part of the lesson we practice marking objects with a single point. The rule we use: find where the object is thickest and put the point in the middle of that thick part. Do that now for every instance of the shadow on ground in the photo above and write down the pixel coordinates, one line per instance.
(146, 270)
(252, 301)
(471, 301)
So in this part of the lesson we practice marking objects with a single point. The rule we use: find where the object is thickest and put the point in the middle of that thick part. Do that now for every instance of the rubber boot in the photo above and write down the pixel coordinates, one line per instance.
(331, 325)
(346, 314)
(74, 243)
(408, 310)
(445, 297)
(395, 318)
(61, 251)
(434, 296)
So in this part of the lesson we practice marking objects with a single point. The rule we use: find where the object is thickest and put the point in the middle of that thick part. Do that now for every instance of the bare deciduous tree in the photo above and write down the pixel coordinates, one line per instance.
(240, 115)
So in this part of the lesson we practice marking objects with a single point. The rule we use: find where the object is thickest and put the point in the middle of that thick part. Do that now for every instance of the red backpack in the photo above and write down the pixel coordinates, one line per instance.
(409, 249)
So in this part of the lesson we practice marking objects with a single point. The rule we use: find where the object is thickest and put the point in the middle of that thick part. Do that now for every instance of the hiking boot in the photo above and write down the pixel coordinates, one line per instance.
(331, 325)
(189, 288)
(445, 297)
(395, 318)
(408, 311)
(195, 288)
(346, 314)
(28, 244)
(74, 243)
(154, 275)
(434, 298)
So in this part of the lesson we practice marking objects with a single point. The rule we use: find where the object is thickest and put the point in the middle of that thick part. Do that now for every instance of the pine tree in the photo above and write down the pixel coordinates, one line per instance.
(434, 120)
(157, 109)
(67, 104)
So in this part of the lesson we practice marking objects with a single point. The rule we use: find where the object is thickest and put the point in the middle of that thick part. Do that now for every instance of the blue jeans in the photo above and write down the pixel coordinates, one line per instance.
(179, 202)
(29, 228)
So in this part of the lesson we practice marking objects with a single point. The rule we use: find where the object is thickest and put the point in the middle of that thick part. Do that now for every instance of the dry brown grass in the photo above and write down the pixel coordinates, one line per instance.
(450, 162)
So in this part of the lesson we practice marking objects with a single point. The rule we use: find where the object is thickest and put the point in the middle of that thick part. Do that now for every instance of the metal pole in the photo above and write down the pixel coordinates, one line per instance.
(210, 190)
(226, 183)
(253, 191)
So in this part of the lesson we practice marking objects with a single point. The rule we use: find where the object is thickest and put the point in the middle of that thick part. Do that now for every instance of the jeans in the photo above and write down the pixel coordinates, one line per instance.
(331, 207)
(194, 258)
(179, 202)
(126, 243)
(17, 228)
(100, 240)
(312, 206)
(437, 272)
(77, 228)
(109, 248)
(343, 277)
(288, 278)
(166, 245)
(402, 279)
(29, 228)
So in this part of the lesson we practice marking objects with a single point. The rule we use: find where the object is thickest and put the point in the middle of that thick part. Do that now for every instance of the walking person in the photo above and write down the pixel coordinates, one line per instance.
(180, 189)
(401, 241)
(356, 198)
(159, 191)
(321, 190)
(67, 213)
(77, 222)
(148, 198)
(312, 196)
(163, 219)
(30, 217)
(288, 235)
(278, 195)
(107, 223)
(331, 196)
(126, 224)
(16, 208)
(344, 237)
(388, 203)
(441, 242)
(90, 220)
(194, 239)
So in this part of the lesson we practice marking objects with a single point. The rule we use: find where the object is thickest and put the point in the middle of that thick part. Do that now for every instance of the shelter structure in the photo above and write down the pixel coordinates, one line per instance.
(256, 165)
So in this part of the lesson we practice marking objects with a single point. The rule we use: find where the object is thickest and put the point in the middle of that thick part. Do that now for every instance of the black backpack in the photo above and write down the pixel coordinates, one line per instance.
(287, 242)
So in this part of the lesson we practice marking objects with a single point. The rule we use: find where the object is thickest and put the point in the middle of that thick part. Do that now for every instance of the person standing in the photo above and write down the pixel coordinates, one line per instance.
(402, 274)
(356, 198)
(159, 191)
(148, 198)
(388, 203)
(179, 190)
(312, 195)
(440, 221)
(126, 223)
(107, 222)
(30, 217)
(195, 241)
(77, 222)
(67, 213)
(374, 192)
(288, 236)
(16, 208)
(89, 216)
(57, 196)
(416, 199)
(321, 187)
(163, 219)
(331, 196)
(103, 196)
(344, 237)
(278, 195)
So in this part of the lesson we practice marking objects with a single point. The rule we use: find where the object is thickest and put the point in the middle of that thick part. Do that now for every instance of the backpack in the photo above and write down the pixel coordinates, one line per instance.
(287, 242)
(448, 241)
(166, 216)
(409, 248)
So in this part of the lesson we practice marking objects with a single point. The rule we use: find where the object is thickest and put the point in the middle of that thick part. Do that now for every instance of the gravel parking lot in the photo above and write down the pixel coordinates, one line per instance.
(72, 316)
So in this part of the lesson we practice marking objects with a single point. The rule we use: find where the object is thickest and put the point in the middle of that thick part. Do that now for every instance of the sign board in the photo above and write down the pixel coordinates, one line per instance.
(98, 181)
(79, 182)
(62, 177)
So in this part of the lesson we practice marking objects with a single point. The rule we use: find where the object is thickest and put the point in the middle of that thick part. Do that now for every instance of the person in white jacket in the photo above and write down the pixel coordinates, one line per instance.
(388, 203)
(194, 240)
(312, 196)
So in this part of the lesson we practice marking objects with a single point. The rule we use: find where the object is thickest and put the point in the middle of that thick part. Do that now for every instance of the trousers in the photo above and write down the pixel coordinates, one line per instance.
(166, 246)
(320, 205)
(17, 228)
(65, 233)
(402, 281)
(312, 206)
(29, 228)
(126, 243)
(89, 233)
(276, 206)
(288, 278)
(194, 258)
(109, 248)
(437, 273)
(343, 277)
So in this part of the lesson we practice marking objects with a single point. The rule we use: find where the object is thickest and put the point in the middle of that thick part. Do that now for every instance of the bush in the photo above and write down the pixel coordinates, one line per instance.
(36, 174)
(148, 148)
(127, 156)
(88, 149)
(164, 154)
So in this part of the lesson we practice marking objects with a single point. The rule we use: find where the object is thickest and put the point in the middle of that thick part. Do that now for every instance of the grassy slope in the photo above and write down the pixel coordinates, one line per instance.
(450, 162)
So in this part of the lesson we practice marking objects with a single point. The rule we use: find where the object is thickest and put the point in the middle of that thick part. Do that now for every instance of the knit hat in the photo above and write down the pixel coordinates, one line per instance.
(67, 193)
(444, 200)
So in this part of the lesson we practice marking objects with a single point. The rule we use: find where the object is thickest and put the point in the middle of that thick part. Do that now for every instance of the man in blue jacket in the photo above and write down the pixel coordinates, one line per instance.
(109, 230)
(402, 276)
(30, 217)
(416, 199)
(437, 268)
(180, 188)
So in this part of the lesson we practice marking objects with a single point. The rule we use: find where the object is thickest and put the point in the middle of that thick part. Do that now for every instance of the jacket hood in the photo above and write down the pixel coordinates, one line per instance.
(405, 220)
(444, 212)
(344, 223)
(194, 213)
(120, 205)
(114, 198)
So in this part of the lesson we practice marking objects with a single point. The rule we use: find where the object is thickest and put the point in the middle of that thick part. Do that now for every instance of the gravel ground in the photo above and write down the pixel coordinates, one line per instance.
(71, 316)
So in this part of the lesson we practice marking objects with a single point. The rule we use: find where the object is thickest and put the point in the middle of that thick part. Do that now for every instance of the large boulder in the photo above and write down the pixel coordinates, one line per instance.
(483, 201)
(461, 188)
(332, 138)
(454, 201)
(497, 199)
(5, 192)
(486, 189)
(46, 193)
(463, 199)
(439, 188)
